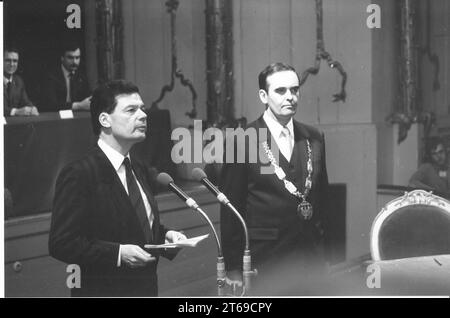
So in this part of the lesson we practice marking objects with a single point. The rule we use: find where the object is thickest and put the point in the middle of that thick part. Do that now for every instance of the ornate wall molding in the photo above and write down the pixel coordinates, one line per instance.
(219, 64)
(109, 39)
(322, 54)
(409, 110)
(172, 6)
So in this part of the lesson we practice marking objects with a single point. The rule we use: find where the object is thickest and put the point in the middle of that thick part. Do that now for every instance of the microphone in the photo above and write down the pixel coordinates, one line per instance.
(167, 181)
(200, 176)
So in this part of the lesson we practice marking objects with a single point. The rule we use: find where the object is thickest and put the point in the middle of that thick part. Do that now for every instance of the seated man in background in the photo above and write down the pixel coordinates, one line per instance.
(15, 98)
(434, 173)
(66, 87)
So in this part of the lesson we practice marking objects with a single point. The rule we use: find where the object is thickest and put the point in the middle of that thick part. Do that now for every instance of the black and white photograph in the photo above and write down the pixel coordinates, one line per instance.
(240, 151)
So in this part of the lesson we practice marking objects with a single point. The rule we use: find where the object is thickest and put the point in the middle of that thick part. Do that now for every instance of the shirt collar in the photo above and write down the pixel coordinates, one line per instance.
(274, 126)
(115, 157)
(7, 80)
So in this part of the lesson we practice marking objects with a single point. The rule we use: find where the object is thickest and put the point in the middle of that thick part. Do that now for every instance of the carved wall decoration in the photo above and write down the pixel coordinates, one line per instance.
(176, 73)
(219, 73)
(409, 111)
(322, 54)
(109, 39)
(425, 50)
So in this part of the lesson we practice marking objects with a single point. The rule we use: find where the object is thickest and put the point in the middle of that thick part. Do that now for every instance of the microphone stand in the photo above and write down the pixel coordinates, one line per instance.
(247, 271)
(221, 274)
(167, 180)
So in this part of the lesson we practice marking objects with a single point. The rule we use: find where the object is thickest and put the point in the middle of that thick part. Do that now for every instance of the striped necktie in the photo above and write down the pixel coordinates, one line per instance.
(136, 200)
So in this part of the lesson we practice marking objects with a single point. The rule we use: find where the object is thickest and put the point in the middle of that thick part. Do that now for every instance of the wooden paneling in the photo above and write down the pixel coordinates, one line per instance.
(351, 159)
(193, 271)
(40, 277)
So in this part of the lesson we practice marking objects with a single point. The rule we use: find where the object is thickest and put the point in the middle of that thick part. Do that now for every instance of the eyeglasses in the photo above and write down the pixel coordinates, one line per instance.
(439, 152)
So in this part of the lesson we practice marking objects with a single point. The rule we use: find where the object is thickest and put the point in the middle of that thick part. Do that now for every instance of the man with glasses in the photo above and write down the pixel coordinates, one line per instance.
(434, 173)
(15, 98)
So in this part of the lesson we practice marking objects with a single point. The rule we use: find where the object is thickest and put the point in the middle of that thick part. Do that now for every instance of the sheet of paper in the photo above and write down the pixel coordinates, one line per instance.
(190, 242)
(66, 114)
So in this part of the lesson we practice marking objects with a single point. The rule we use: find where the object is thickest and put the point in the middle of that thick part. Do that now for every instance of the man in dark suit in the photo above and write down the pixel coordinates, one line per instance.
(66, 87)
(104, 211)
(283, 199)
(15, 98)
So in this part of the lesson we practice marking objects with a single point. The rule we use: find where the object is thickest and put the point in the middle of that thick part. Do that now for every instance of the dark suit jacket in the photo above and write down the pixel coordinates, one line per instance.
(54, 91)
(18, 97)
(275, 228)
(92, 215)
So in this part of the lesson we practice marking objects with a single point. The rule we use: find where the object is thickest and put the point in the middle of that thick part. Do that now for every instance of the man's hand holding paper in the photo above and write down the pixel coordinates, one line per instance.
(174, 241)
(174, 236)
(178, 241)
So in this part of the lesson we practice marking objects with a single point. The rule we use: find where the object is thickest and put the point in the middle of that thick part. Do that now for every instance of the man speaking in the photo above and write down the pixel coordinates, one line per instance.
(104, 211)
(284, 210)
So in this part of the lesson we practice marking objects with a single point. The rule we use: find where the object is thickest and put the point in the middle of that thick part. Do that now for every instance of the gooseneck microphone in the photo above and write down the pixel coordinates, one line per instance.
(200, 176)
(167, 181)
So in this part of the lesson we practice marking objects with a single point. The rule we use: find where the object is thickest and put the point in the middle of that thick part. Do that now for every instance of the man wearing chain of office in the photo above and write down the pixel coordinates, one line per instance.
(284, 209)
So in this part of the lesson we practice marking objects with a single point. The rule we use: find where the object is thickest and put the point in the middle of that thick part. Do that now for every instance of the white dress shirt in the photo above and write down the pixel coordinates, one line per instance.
(116, 160)
(6, 80)
(283, 135)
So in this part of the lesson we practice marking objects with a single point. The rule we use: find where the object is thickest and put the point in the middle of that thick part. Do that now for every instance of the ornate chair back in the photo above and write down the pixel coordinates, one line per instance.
(415, 224)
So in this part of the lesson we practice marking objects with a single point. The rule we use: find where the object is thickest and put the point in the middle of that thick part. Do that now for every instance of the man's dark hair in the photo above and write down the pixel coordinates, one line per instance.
(104, 99)
(271, 69)
(431, 145)
(11, 49)
(68, 46)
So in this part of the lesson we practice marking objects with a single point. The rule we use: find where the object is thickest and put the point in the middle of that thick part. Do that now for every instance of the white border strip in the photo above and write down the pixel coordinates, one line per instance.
(2, 181)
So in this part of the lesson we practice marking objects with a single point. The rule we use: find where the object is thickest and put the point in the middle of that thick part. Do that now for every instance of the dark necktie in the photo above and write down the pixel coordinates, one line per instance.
(9, 93)
(71, 87)
(137, 201)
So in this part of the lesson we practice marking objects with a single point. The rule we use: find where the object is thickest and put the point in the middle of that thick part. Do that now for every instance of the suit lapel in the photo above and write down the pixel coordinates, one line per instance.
(61, 84)
(300, 153)
(6, 96)
(119, 196)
